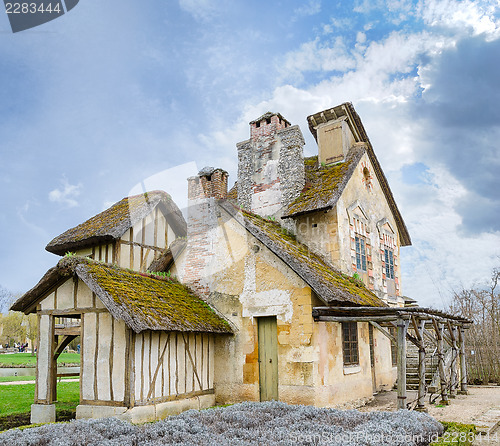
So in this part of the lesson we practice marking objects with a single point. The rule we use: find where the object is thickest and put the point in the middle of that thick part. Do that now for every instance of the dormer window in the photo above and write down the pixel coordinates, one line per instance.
(257, 124)
(268, 120)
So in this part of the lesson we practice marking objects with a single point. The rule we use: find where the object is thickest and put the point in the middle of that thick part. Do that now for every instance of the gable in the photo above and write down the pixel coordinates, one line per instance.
(112, 223)
(358, 131)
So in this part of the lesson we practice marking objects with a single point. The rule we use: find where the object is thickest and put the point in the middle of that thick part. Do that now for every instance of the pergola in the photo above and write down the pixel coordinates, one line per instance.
(425, 322)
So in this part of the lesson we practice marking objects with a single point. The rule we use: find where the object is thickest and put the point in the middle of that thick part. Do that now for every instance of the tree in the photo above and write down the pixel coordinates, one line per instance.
(481, 305)
(6, 299)
(13, 328)
(31, 324)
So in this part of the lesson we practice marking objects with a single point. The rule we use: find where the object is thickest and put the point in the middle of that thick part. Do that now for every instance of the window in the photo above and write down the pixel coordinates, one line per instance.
(360, 253)
(389, 264)
(394, 350)
(350, 343)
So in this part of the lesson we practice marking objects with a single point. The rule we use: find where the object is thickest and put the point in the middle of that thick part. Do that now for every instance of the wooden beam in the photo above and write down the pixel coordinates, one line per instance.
(439, 327)
(356, 318)
(160, 363)
(420, 329)
(63, 344)
(402, 326)
(68, 331)
(191, 359)
(454, 357)
(463, 368)
(384, 331)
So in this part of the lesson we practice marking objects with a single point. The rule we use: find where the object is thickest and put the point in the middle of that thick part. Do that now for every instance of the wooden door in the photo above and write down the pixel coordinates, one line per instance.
(268, 357)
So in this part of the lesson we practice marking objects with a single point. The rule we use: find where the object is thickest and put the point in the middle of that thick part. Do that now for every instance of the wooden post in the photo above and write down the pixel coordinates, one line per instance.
(421, 366)
(454, 356)
(401, 362)
(463, 369)
(439, 327)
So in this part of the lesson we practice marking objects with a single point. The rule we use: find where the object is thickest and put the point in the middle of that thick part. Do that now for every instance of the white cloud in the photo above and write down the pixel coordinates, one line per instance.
(311, 8)
(67, 194)
(200, 9)
(478, 15)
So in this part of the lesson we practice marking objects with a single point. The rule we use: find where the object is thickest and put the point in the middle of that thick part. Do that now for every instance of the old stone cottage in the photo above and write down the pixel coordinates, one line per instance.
(267, 276)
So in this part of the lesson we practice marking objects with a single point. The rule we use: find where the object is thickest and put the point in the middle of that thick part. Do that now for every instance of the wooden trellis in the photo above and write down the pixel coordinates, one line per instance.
(425, 322)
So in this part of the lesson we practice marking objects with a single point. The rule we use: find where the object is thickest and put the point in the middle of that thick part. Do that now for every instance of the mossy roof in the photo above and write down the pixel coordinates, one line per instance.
(142, 301)
(112, 223)
(324, 184)
(330, 285)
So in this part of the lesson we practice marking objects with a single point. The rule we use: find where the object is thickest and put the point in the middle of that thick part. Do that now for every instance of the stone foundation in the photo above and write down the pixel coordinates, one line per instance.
(145, 414)
(43, 413)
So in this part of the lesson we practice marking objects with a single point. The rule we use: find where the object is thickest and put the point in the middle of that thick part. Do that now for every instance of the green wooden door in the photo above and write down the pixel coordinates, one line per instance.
(268, 358)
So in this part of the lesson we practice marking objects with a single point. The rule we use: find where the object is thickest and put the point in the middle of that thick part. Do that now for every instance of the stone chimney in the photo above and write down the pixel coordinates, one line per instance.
(270, 165)
(334, 130)
(204, 190)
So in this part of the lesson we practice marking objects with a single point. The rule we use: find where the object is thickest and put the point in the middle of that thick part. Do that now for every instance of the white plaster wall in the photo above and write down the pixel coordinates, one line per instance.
(104, 348)
(42, 356)
(119, 361)
(65, 295)
(84, 296)
(88, 351)
(48, 302)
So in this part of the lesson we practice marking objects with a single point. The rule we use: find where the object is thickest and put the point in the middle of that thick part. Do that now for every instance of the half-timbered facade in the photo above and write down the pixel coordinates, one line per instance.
(147, 342)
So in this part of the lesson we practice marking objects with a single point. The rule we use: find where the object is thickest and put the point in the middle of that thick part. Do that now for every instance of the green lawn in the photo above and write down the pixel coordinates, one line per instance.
(18, 398)
(16, 359)
(8, 379)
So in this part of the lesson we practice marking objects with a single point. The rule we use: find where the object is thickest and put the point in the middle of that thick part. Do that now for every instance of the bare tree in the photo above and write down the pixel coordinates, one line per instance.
(6, 299)
(482, 305)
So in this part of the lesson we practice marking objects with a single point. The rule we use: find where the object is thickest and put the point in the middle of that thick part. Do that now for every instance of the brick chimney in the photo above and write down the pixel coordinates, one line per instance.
(204, 190)
(270, 165)
(209, 183)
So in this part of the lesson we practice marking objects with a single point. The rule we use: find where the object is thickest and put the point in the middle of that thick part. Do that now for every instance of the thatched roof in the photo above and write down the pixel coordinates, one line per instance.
(358, 130)
(112, 223)
(142, 301)
(324, 184)
(330, 285)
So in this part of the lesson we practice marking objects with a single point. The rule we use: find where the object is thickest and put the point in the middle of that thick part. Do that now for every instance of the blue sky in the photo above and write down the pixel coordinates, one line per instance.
(117, 96)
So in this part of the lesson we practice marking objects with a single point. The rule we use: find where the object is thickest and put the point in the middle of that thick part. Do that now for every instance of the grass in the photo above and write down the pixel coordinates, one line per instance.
(456, 434)
(16, 401)
(18, 398)
(19, 359)
(8, 379)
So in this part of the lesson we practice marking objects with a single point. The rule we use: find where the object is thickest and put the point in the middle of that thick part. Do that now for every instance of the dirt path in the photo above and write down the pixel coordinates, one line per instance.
(480, 407)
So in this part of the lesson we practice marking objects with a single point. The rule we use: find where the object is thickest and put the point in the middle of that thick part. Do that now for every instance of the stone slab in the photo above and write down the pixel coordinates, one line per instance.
(43, 413)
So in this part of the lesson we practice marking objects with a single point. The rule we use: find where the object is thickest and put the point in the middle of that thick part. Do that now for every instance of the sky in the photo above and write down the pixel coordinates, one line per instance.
(117, 97)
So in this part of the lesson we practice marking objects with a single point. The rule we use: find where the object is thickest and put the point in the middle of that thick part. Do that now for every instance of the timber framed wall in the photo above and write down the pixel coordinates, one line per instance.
(171, 365)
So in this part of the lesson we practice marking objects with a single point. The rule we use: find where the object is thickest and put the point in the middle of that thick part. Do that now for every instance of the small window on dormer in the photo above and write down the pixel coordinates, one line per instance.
(209, 177)
(268, 120)
(257, 124)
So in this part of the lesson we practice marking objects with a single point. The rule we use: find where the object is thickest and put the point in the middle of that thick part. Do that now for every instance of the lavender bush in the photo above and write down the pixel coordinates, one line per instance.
(270, 423)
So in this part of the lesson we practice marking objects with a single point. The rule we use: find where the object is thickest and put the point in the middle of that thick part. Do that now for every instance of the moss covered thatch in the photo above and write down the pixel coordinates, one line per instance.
(142, 301)
(324, 184)
(112, 223)
(330, 285)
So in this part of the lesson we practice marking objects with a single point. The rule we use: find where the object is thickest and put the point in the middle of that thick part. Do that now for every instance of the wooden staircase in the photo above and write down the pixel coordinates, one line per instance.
(431, 364)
